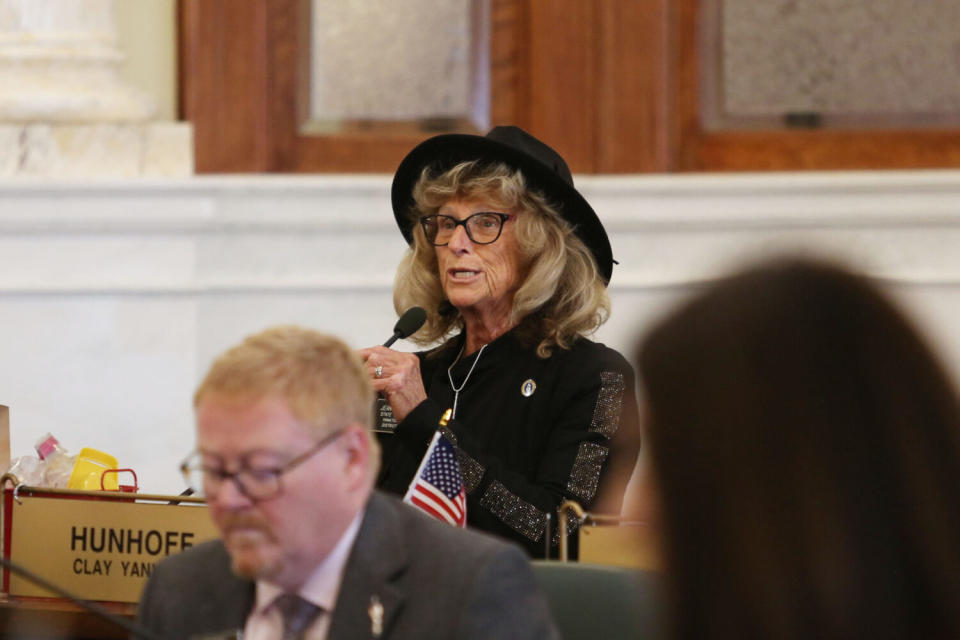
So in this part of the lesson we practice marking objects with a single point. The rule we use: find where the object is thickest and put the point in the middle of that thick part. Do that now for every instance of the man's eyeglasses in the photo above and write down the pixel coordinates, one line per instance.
(482, 228)
(257, 482)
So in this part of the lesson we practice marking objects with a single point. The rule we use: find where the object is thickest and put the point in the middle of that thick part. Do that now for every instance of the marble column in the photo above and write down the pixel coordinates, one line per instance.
(64, 110)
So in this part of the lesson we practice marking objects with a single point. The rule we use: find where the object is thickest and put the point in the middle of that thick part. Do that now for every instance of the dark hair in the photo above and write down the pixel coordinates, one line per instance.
(806, 449)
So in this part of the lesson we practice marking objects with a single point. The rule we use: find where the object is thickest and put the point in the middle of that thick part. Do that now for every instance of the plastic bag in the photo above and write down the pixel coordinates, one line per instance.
(28, 469)
(57, 463)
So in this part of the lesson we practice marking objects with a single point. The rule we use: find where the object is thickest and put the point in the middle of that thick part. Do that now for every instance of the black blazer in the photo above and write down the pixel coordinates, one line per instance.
(530, 432)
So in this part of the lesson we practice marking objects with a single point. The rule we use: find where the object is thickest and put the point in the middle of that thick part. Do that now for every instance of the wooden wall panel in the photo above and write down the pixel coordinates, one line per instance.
(510, 63)
(587, 76)
(632, 94)
(564, 70)
(824, 150)
(223, 60)
(684, 86)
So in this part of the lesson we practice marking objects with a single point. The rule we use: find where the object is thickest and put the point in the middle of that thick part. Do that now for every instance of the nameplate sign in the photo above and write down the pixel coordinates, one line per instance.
(99, 550)
(383, 418)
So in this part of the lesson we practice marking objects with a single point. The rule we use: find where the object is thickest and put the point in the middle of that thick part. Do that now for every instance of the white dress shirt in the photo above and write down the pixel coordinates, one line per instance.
(321, 588)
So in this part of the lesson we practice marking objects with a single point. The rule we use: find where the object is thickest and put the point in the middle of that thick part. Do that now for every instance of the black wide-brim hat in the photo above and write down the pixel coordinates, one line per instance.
(543, 169)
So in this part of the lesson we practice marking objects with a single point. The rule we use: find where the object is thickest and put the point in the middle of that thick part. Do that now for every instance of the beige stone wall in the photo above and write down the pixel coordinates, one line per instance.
(146, 30)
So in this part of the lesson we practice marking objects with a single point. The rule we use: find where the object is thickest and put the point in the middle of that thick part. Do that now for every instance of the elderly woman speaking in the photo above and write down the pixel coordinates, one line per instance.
(511, 264)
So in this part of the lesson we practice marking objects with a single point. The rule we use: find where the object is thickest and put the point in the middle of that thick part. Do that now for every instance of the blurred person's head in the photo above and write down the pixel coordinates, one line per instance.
(285, 453)
(806, 452)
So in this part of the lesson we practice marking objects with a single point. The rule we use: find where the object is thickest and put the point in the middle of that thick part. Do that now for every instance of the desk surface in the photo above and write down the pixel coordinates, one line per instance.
(36, 618)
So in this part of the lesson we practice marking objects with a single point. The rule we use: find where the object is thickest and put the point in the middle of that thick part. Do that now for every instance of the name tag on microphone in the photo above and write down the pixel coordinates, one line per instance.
(383, 419)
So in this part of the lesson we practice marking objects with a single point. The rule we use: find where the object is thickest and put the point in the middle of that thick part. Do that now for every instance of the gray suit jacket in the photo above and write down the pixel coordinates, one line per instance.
(432, 580)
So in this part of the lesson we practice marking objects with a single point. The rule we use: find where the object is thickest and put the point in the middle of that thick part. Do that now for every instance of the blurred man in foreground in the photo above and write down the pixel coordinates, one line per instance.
(287, 461)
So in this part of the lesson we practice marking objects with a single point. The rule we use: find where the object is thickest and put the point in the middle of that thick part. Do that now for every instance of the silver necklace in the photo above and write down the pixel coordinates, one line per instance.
(457, 390)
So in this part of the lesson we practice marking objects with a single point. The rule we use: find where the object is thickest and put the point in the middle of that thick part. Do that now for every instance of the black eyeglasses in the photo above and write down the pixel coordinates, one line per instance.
(254, 481)
(482, 228)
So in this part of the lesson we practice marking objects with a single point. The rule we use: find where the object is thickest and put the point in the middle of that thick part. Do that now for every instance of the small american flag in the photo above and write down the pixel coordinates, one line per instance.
(438, 486)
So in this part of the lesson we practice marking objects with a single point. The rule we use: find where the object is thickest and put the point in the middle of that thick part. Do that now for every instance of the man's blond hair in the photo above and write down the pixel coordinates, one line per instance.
(323, 380)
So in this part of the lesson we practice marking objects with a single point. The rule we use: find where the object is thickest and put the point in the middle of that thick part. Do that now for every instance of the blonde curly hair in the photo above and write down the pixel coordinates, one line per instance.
(562, 295)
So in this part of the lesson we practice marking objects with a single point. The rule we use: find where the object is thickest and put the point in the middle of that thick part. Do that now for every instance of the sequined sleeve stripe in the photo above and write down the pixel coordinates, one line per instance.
(585, 474)
(471, 470)
(516, 513)
(606, 415)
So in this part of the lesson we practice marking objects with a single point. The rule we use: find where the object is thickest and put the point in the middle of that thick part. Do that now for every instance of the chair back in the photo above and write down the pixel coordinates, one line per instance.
(625, 545)
(591, 601)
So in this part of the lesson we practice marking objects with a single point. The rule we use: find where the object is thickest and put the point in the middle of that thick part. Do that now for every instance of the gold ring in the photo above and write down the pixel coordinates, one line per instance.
(378, 372)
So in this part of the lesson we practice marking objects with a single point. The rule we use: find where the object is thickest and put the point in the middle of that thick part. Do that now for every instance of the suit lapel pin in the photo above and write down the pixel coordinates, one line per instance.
(528, 387)
(375, 611)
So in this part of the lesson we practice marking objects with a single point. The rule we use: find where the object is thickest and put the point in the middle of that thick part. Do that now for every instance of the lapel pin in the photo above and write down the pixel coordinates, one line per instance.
(375, 611)
(528, 387)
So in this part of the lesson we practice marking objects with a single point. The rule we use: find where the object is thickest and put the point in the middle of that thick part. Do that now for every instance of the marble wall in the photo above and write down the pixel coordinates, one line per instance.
(115, 296)
(66, 111)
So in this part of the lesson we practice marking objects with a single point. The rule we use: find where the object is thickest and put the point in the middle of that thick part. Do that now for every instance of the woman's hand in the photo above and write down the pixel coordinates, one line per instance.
(396, 375)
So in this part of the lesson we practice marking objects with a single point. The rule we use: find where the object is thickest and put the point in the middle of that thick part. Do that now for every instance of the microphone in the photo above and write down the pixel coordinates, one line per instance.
(408, 324)
(411, 320)
(186, 492)
(135, 630)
